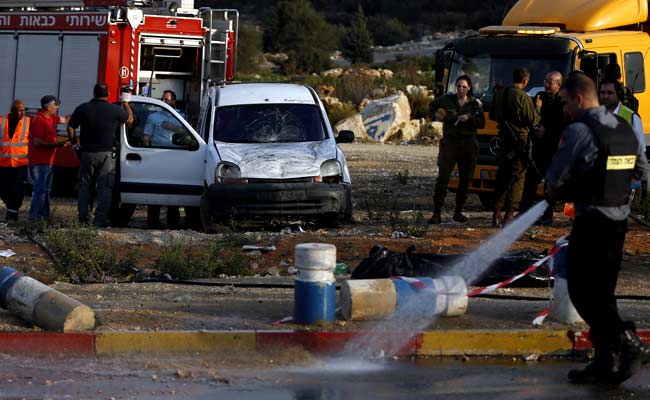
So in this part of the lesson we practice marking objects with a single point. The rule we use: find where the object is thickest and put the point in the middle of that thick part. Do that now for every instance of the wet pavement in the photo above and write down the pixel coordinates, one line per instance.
(323, 379)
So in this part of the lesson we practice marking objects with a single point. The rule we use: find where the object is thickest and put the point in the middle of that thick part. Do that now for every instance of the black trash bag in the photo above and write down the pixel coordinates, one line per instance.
(384, 263)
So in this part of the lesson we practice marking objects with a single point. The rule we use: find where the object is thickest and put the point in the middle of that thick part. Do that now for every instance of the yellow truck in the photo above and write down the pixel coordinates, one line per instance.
(543, 36)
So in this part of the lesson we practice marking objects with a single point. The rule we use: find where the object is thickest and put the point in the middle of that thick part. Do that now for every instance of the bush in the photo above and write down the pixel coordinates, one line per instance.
(336, 114)
(354, 87)
(419, 105)
(184, 261)
(78, 256)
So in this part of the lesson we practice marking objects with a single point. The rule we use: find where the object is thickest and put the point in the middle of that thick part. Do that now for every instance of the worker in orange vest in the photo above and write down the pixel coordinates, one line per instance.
(14, 128)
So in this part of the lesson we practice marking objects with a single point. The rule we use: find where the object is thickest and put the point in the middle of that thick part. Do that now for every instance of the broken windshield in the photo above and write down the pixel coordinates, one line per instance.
(269, 123)
(488, 71)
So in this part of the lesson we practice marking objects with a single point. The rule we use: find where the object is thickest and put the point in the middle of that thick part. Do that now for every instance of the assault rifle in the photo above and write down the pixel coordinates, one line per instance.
(522, 149)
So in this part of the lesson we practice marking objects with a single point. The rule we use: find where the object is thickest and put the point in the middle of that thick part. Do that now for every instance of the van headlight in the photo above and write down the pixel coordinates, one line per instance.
(330, 171)
(226, 172)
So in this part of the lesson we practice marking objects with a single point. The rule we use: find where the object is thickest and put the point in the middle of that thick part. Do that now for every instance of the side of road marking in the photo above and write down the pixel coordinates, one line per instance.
(47, 342)
(486, 342)
(335, 342)
(151, 342)
(428, 343)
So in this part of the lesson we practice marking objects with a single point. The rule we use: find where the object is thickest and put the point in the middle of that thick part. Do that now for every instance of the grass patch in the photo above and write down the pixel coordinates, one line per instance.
(412, 225)
(78, 256)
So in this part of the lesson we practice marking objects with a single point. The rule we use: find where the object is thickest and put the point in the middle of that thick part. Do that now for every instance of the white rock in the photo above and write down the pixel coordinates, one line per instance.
(353, 123)
(382, 115)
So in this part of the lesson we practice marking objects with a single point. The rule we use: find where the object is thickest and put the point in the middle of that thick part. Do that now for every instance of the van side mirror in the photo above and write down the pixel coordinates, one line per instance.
(185, 140)
(345, 136)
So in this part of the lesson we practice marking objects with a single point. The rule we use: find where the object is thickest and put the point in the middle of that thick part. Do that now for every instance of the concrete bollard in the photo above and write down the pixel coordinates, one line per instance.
(367, 299)
(562, 309)
(448, 292)
(374, 299)
(41, 305)
(315, 285)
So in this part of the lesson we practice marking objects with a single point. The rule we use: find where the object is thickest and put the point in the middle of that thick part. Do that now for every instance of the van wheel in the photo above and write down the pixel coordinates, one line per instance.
(205, 214)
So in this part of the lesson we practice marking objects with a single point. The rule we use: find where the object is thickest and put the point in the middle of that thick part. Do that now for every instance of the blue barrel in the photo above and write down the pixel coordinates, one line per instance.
(8, 276)
(315, 286)
(315, 302)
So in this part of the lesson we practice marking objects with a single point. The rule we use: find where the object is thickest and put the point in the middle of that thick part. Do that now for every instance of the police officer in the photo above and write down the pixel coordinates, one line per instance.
(596, 162)
(545, 140)
(515, 113)
(461, 115)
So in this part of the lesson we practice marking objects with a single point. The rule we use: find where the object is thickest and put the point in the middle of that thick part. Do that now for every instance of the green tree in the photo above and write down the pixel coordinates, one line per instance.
(356, 43)
(297, 29)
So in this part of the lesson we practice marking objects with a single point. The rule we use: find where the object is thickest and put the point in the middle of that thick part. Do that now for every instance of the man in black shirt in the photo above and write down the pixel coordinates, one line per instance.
(99, 120)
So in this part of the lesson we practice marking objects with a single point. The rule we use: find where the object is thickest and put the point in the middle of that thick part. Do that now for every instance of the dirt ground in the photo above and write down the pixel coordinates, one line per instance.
(392, 189)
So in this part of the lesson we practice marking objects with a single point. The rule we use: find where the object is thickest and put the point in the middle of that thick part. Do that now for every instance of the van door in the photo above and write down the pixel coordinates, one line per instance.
(162, 159)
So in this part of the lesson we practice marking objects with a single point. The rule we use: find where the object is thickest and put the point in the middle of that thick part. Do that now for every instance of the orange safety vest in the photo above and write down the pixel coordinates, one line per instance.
(13, 153)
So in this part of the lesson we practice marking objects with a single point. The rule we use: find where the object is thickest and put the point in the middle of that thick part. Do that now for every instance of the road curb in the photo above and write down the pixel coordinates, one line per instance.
(427, 343)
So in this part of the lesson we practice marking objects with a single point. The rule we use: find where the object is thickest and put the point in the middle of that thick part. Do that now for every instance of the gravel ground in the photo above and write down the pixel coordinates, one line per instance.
(392, 184)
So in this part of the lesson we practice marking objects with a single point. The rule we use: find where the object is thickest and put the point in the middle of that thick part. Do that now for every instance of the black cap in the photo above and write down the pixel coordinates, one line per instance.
(46, 100)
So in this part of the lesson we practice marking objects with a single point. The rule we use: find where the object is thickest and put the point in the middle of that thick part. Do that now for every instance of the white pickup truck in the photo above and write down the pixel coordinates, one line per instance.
(261, 149)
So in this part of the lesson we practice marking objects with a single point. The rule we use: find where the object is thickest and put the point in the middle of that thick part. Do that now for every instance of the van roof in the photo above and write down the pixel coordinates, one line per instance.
(260, 93)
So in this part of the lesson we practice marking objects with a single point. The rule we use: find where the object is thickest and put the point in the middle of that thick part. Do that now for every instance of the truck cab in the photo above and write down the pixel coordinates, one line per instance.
(546, 37)
(261, 149)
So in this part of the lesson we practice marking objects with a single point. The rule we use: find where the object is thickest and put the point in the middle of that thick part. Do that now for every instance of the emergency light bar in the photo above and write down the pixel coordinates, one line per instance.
(520, 30)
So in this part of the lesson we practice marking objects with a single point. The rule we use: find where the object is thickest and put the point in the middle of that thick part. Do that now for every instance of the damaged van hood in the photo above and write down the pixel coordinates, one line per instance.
(277, 160)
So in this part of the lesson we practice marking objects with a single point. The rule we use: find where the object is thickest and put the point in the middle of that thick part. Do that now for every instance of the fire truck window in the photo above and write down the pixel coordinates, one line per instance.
(154, 126)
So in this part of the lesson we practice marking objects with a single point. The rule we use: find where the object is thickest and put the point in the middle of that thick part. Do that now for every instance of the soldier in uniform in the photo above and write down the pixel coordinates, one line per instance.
(515, 113)
(596, 163)
(547, 135)
(461, 115)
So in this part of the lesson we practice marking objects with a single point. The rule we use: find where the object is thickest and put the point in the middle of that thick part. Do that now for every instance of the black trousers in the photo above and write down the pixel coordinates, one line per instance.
(12, 187)
(594, 261)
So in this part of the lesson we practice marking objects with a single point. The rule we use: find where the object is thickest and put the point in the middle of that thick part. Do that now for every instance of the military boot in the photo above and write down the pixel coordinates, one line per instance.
(497, 221)
(509, 216)
(604, 369)
(458, 216)
(436, 218)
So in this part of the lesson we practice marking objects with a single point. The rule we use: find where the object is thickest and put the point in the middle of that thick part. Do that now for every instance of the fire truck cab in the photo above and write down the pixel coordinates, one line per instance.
(64, 47)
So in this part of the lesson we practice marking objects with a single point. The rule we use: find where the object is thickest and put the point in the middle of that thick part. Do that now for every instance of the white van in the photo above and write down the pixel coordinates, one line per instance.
(263, 149)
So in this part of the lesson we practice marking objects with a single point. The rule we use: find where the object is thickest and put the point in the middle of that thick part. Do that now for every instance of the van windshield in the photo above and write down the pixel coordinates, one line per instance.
(269, 123)
(488, 71)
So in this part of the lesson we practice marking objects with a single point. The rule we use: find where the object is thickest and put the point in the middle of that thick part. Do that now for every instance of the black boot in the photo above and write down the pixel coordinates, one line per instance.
(604, 369)
(634, 353)
(458, 215)
(436, 218)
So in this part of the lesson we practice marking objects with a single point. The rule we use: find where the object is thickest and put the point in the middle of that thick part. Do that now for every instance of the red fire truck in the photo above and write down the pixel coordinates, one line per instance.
(64, 47)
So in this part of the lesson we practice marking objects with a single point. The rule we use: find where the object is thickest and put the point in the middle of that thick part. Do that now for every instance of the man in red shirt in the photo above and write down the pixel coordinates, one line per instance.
(42, 145)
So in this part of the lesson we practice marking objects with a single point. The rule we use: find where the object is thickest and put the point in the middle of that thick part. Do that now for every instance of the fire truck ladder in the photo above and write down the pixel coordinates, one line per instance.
(222, 32)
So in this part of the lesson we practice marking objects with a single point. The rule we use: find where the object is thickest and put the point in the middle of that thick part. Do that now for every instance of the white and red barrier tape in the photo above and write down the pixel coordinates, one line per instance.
(492, 288)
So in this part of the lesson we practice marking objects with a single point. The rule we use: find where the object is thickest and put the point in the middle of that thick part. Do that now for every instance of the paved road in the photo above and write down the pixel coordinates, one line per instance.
(169, 377)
